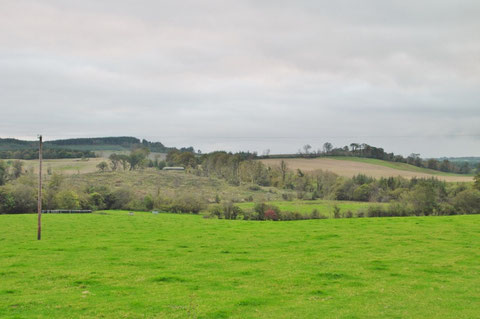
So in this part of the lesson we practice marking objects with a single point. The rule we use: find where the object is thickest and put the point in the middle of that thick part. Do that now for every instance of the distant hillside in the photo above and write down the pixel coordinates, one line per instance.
(351, 166)
(363, 150)
(77, 147)
(470, 160)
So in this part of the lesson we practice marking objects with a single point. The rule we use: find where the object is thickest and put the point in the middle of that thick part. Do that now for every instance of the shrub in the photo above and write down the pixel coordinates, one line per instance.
(476, 183)
(270, 215)
(216, 211)
(362, 193)
(3, 172)
(67, 199)
(336, 212)
(7, 202)
(260, 209)
(397, 193)
(237, 211)
(25, 198)
(445, 209)
(285, 215)
(248, 215)
(308, 196)
(467, 202)
(377, 211)
(316, 215)
(148, 202)
(231, 211)
(348, 214)
(399, 209)
(136, 204)
(96, 201)
(298, 216)
(120, 198)
(344, 189)
(187, 204)
(102, 166)
(162, 203)
(106, 195)
(421, 200)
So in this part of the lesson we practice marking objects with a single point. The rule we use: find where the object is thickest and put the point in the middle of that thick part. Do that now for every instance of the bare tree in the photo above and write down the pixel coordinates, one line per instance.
(283, 169)
(354, 146)
(307, 148)
(327, 147)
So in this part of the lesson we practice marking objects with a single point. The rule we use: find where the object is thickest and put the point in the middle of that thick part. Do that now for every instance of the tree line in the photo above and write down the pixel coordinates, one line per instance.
(18, 188)
(424, 196)
(48, 153)
(367, 151)
(77, 147)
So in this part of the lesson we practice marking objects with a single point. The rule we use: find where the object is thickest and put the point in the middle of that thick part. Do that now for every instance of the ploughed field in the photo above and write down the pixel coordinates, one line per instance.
(114, 265)
(351, 166)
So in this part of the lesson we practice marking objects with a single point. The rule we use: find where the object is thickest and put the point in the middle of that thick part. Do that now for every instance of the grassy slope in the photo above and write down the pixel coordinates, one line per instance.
(395, 165)
(323, 206)
(169, 183)
(183, 266)
(70, 166)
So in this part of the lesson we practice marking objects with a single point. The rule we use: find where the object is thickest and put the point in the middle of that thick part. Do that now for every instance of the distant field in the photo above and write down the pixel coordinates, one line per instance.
(66, 166)
(185, 266)
(324, 207)
(153, 155)
(69, 166)
(350, 166)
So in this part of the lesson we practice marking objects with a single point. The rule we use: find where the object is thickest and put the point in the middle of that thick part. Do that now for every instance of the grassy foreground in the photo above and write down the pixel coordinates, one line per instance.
(184, 266)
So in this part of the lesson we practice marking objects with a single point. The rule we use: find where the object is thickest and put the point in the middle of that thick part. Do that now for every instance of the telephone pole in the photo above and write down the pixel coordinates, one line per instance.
(39, 235)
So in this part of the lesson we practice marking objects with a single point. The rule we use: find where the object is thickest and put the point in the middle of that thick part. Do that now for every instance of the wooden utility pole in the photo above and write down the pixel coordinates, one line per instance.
(39, 235)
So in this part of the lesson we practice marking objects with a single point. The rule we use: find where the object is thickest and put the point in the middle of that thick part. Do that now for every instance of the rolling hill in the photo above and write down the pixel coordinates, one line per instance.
(350, 166)
(120, 143)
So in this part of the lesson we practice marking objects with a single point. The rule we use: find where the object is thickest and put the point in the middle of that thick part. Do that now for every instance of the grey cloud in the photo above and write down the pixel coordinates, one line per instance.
(245, 74)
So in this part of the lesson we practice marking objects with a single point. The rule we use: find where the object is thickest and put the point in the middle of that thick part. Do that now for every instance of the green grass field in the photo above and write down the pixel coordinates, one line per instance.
(185, 266)
(324, 207)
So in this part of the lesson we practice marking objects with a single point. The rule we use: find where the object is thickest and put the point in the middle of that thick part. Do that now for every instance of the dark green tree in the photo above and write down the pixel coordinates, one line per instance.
(17, 169)
(3, 172)
(137, 158)
(102, 166)
(476, 183)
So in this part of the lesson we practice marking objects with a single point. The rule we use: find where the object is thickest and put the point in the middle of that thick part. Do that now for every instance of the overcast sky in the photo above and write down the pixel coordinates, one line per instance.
(245, 74)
